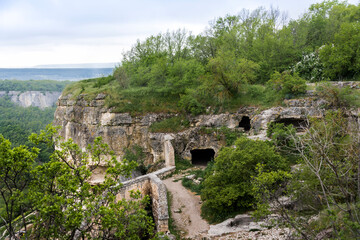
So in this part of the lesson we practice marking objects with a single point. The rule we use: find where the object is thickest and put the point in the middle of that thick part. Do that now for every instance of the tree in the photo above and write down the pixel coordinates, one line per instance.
(227, 189)
(326, 184)
(341, 58)
(229, 73)
(66, 203)
(286, 84)
(15, 176)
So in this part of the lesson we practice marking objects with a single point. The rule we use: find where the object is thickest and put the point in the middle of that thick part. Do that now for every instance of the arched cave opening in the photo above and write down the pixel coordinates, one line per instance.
(245, 123)
(298, 124)
(202, 156)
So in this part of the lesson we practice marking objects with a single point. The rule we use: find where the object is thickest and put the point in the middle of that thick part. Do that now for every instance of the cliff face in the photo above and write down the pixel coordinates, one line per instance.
(32, 98)
(83, 121)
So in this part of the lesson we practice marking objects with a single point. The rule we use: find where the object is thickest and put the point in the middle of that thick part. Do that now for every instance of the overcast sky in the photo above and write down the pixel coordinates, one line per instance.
(38, 32)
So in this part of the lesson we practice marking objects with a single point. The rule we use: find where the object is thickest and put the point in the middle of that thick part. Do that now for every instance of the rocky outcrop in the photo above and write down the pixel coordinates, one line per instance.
(83, 121)
(32, 98)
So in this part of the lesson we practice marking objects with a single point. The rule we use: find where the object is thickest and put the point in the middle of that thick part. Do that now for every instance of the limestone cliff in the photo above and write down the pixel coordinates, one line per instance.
(83, 121)
(32, 98)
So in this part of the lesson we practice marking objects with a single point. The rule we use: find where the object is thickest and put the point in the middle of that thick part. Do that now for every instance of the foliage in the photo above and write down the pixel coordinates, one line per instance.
(336, 97)
(33, 85)
(181, 164)
(310, 67)
(16, 165)
(287, 85)
(190, 104)
(229, 135)
(282, 137)
(217, 69)
(17, 123)
(199, 175)
(63, 201)
(228, 73)
(268, 187)
(228, 189)
(341, 58)
(103, 81)
(173, 124)
(136, 154)
(325, 184)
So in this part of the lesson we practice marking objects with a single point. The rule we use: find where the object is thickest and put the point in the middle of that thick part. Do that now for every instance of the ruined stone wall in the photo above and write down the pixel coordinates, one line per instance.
(151, 185)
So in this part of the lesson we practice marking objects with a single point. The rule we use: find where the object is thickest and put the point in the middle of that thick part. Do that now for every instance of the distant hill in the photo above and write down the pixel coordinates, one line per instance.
(79, 65)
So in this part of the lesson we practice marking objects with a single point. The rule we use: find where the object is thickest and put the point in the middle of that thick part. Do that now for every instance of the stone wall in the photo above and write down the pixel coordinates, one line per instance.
(151, 185)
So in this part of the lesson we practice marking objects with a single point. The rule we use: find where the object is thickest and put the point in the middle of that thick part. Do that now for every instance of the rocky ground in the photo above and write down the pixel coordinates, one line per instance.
(185, 210)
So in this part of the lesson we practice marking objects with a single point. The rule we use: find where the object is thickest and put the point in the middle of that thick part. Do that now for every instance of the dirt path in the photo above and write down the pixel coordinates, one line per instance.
(186, 210)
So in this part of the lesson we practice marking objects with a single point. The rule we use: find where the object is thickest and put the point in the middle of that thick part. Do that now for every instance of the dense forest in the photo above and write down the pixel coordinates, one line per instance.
(256, 58)
(33, 85)
(17, 123)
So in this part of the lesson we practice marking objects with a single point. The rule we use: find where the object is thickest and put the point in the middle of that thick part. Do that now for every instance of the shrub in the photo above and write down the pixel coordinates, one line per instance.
(191, 105)
(310, 67)
(281, 136)
(174, 124)
(227, 189)
(136, 154)
(338, 97)
(181, 164)
(287, 85)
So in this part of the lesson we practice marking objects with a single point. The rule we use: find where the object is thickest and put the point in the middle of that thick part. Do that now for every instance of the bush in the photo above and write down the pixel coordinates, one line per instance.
(174, 124)
(103, 81)
(136, 154)
(287, 85)
(227, 189)
(281, 136)
(310, 67)
(191, 105)
(181, 164)
(338, 97)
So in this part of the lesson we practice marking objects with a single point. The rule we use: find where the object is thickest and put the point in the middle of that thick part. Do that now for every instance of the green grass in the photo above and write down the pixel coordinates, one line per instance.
(201, 175)
(189, 184)
(170, 125)
(181, 164)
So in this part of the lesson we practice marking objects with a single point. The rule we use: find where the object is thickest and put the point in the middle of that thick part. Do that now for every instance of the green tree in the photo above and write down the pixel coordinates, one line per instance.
(286, 84)
(341, 58)
(325, 184)
(229, 73)
(16, 165)
(227, 189)
(63, 200)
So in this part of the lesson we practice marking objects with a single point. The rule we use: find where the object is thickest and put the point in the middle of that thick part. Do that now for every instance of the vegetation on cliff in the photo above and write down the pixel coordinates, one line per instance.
(253, 58)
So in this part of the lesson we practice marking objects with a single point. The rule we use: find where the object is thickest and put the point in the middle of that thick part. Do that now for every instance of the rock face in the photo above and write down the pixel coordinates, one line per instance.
(83, 121)
(32, 98)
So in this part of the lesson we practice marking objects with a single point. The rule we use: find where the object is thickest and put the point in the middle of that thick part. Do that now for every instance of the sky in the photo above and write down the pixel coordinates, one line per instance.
(45, 32)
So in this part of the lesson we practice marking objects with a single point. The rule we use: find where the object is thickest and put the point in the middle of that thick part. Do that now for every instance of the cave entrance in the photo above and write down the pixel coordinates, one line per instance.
(245, 123)
(298, 124)
(202, 156)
